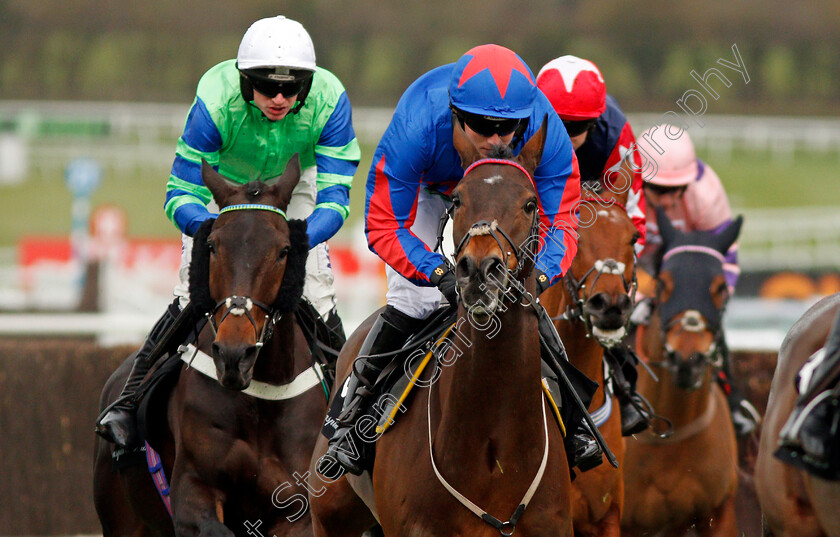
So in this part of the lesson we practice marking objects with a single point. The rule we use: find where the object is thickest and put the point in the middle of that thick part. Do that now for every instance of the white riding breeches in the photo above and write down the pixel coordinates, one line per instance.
(409, 298)
(318, 286)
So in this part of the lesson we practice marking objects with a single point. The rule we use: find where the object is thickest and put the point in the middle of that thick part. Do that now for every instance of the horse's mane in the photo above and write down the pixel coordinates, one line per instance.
(290, 291)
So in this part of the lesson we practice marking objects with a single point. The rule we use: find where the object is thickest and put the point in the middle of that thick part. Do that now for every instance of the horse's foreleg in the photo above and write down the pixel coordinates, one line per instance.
(610, 525)
(337, 511)
(197, 508)
(722, 523)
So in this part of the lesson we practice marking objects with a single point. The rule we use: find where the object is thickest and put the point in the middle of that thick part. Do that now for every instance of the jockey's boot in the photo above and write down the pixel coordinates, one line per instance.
(388, 333)
(587, 452)
(745, 417)
(119, 424)
(810, 439)
(635, 409)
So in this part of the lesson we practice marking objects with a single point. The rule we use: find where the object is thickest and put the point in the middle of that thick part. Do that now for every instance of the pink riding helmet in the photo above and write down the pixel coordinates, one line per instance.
(677, 166)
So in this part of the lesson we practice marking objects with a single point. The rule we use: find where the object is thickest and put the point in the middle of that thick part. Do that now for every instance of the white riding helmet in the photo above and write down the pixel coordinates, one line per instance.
(276, 42)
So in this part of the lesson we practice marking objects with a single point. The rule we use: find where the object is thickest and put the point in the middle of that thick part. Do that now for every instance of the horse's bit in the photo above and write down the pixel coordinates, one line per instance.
(577, 287)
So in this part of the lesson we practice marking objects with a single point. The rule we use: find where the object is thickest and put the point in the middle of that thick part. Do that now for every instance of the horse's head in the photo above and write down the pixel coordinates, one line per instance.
(247, 268)
(690, 296)
(495, 218)
(602, 277)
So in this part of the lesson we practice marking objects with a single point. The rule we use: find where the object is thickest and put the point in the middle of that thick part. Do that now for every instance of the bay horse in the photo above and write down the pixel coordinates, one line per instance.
(234, 449)
(593, 306)
(689, 478)
(475, 453)
(794, 502)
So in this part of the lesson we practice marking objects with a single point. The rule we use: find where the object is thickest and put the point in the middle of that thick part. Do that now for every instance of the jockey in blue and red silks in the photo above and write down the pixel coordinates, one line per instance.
(492, 93)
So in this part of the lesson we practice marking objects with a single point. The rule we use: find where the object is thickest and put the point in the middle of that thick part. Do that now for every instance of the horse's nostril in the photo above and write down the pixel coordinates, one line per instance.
(597, 303)
(492, 268)
(465, 267)
(624, 304)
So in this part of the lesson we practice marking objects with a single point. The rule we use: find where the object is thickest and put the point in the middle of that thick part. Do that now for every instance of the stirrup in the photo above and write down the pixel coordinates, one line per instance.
(344, 456)
(588, 454)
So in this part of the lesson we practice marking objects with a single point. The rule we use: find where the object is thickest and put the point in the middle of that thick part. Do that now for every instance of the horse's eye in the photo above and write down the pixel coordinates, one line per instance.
(456, 201)
(530, 206)
(635, 239)
(211, 246)
(283, 253)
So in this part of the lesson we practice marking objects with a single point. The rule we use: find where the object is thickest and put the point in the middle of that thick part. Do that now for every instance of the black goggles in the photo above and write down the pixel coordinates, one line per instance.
(576, 128)
(270, 88)
(665, 190)
(487, 126)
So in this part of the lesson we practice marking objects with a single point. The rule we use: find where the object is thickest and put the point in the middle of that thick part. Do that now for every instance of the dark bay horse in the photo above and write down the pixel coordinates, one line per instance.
(794, 502)
(477, 438)
(689, 478)
(236, 449)
(594, 303)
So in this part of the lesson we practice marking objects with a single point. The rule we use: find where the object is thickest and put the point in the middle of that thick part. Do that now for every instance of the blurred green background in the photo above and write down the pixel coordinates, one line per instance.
(155, 52)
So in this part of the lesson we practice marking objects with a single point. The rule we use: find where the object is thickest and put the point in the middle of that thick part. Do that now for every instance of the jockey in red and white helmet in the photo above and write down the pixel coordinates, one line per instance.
(603, 140)
(599, 131)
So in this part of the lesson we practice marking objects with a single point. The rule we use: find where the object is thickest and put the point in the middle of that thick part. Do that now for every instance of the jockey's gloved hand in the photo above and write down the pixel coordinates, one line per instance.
(543, 282)
(444, 279)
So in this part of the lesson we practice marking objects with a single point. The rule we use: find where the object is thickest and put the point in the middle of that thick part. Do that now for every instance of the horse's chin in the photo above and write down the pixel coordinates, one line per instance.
(232, 379)
(235, 382)
(688, 381)
(481, 305)
(609, 338)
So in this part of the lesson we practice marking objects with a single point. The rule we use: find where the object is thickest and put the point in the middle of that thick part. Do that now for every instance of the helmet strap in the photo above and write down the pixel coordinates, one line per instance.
(304, 93)
(246, 88)
(520, 132)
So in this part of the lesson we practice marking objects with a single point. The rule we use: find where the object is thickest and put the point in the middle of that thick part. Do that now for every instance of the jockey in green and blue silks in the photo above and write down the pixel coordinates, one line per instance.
(249, 117)
(249, 135)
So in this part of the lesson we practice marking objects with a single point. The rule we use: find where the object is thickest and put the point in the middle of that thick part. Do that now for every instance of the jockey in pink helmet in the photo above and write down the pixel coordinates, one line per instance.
(597, 127)
(694, 199)
(688, 189)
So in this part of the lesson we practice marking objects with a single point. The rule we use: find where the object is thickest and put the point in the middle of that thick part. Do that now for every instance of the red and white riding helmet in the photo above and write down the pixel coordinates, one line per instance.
(575, 88)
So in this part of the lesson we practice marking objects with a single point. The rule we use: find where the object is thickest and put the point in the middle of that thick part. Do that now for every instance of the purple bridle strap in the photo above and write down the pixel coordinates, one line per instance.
(693, 249)
(501, 161)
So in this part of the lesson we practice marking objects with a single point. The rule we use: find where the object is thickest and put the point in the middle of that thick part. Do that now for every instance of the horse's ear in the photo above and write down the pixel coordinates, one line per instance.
(531, 154)
(666, 228)
(282, 189)
(725, 239)
(216, 182)
(466, 149)
(618, 184)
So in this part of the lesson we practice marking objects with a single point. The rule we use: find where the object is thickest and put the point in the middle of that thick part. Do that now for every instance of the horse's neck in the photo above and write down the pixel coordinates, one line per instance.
(276, 362)
(680, 406)
(585, 353)
(493, 389)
